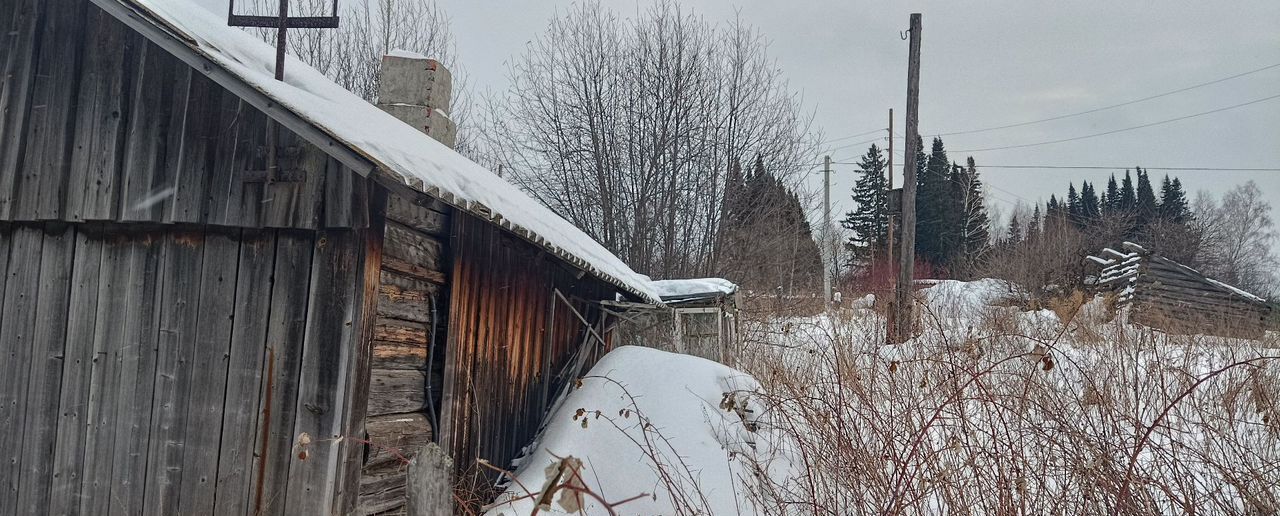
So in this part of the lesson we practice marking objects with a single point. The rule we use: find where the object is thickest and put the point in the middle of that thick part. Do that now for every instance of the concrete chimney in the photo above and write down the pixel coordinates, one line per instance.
(417, 90)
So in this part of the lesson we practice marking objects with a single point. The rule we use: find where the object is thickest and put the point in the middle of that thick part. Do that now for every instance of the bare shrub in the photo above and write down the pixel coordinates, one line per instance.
(1019, 413)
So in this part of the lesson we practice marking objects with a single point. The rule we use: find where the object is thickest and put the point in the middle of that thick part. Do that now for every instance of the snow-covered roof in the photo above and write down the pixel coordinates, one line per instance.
(394, 149)
(679, 289)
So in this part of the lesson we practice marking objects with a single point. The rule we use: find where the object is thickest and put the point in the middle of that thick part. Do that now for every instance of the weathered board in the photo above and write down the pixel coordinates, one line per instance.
(97, 124)
(506, 345)
(411, 308)
(135, 358)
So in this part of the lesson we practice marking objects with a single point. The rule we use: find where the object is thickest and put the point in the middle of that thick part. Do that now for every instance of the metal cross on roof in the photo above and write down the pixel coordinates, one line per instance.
(282, 22)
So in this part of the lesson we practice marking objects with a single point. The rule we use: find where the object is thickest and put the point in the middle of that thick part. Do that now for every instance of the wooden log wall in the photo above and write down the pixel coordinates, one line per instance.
(97, 124)
(508, 348)
(413, 286)
(1171, 297)
(184, 369)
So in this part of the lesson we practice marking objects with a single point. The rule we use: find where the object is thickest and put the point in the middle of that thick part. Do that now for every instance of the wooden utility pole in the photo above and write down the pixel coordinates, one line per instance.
(826, 229)
(904, 299)
(889, 243)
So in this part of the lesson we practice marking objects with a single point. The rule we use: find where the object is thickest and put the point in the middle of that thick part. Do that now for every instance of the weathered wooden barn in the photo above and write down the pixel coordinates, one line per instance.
(183, 330)
(1166, 295)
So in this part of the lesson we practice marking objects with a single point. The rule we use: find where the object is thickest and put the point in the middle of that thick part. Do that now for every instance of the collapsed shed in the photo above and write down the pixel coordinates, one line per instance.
(187, 330)
(1166, 295)
(697, 317)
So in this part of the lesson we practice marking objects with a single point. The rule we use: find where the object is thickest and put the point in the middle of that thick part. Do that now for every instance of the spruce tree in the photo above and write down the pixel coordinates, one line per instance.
(1015, 232)
(1073, 206)
(1055, 215)
(1173, 202)
(1090, 209)
(1128, 199)
(1033, 228)
(1112, 196)
(933, 196)
(1146, 207)
(870, 219)
(974, 224)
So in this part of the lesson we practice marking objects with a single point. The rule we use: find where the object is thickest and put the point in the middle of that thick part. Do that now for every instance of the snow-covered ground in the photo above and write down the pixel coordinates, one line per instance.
(989, 410)
(660, 432)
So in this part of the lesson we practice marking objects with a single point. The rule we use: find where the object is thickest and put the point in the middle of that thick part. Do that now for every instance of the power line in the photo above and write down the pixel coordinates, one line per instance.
(854, 144)
(852, 136)
(1114, 131)
(1113, 106)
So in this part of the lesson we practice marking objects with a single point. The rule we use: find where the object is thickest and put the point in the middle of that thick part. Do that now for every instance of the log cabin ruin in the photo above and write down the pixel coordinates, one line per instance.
(186, 330)
(1171, 297)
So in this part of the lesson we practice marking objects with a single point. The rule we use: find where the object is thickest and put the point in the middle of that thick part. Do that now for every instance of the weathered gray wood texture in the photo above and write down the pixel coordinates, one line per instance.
(412, 301)
(1171, 297)
(430, 489)
(136, 362)
(97, 124)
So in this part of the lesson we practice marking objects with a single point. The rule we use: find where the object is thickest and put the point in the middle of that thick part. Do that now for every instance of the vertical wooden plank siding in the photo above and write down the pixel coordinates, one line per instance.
(245, 372)
(135, 365)
(331, 316)
(178, 331)
(502, 331)
(101, 119)
(353, 422)
(41, 189)
(285, 331)
(17, 329)
(48, 341)
(109, 341)
(15, 96)
(68, 457)
(205, 402)
(193, 157)
(142, 355)
(147, 288)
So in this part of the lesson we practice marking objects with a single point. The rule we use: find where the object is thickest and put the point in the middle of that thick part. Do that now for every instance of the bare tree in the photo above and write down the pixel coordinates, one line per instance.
(1238, 235)
(631, 129)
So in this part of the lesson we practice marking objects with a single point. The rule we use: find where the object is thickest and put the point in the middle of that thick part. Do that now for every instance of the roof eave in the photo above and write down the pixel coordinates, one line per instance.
(189, 52)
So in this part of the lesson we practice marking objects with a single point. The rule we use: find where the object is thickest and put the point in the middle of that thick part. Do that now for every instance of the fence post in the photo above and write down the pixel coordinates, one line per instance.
(430, 483)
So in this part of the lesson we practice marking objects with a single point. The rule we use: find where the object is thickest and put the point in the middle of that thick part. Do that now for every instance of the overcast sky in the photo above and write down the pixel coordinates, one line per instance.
(995, 63)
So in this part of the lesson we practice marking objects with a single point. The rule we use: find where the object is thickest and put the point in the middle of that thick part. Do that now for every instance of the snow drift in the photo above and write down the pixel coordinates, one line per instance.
(664, 432)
